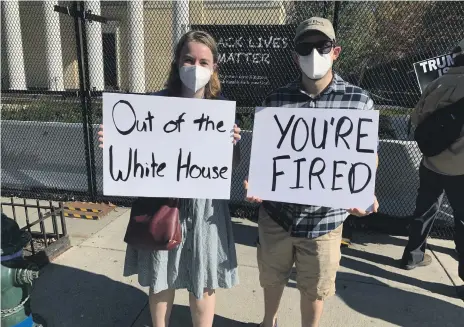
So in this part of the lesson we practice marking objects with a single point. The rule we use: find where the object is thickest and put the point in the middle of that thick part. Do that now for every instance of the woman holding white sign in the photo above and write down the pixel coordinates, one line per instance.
(206, 258)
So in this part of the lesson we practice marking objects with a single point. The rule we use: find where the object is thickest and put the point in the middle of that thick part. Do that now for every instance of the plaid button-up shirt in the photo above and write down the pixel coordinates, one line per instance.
(303, 220)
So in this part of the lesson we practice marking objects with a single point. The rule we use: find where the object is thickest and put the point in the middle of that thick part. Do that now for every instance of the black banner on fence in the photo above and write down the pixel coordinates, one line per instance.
(430, 69)
(253, 59)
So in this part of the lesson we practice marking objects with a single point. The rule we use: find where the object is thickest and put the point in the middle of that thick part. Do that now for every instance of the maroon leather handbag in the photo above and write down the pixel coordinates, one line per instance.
(154, 224)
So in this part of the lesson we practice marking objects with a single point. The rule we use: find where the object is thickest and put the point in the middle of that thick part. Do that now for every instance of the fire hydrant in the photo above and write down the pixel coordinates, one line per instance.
(17, 276)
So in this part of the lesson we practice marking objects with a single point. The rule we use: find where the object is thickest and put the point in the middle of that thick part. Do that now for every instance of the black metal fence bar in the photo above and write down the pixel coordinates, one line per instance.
(43, 240)
(54, 222)
(28, 223)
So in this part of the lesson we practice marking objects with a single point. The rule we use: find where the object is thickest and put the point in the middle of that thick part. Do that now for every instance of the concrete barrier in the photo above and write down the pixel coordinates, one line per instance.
(42, 155)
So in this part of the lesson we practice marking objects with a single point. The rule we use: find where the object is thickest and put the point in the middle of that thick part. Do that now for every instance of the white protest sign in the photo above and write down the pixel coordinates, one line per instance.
(322, 157)
(158, 146)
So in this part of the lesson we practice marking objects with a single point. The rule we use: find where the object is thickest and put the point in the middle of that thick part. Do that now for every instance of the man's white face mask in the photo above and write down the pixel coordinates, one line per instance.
(315, 66)
(195, 77)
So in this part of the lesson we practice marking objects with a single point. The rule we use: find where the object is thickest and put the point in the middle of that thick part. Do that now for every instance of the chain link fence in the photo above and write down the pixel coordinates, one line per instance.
(42, 131)
(54, 71)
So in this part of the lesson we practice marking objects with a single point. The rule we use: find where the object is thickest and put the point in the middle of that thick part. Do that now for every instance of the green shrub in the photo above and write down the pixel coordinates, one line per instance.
(47, 111)
(71, 112)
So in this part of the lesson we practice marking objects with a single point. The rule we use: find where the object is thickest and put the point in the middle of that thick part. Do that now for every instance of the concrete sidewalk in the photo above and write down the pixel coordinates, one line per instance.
(84, 287)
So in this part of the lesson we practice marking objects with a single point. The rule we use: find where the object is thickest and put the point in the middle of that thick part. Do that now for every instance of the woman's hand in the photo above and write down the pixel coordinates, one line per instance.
(100, 138)
(361, 213)
(237, 136)
(252, 199)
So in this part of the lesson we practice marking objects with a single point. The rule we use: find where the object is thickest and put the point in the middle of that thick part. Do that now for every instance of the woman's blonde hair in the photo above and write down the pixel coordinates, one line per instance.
(174, 84)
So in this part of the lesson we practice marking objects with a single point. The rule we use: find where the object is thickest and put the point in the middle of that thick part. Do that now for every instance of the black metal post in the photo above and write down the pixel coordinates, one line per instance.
(64, 229)
(28, 224)
(335, 15)
(82, 56)
(325, 13)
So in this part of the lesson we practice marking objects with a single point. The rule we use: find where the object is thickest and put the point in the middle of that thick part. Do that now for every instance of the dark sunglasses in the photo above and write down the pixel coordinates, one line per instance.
(306, 48)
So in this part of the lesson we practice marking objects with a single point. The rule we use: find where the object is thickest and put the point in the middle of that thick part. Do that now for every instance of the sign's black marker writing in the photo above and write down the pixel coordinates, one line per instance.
(174, 125)
(195, 171)
(316, 167)
(136, 122)
(209, 123)
(139, 170)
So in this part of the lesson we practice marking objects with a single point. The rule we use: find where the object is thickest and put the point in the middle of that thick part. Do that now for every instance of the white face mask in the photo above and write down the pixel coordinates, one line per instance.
(315, 66)
(195, 77)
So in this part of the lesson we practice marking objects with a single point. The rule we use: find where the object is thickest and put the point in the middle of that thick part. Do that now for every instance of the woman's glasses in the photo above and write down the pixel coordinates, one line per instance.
(306, 48)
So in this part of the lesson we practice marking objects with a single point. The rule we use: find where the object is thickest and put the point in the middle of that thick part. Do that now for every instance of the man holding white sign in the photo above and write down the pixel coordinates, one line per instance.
(319, 156)
(311, 162)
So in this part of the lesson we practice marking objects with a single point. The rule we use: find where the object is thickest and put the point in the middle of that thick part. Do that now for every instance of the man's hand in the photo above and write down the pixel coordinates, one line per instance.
(361, 212)
(252, 199)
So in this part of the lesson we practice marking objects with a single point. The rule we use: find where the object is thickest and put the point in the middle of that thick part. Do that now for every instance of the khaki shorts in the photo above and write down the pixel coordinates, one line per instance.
(316, 260)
